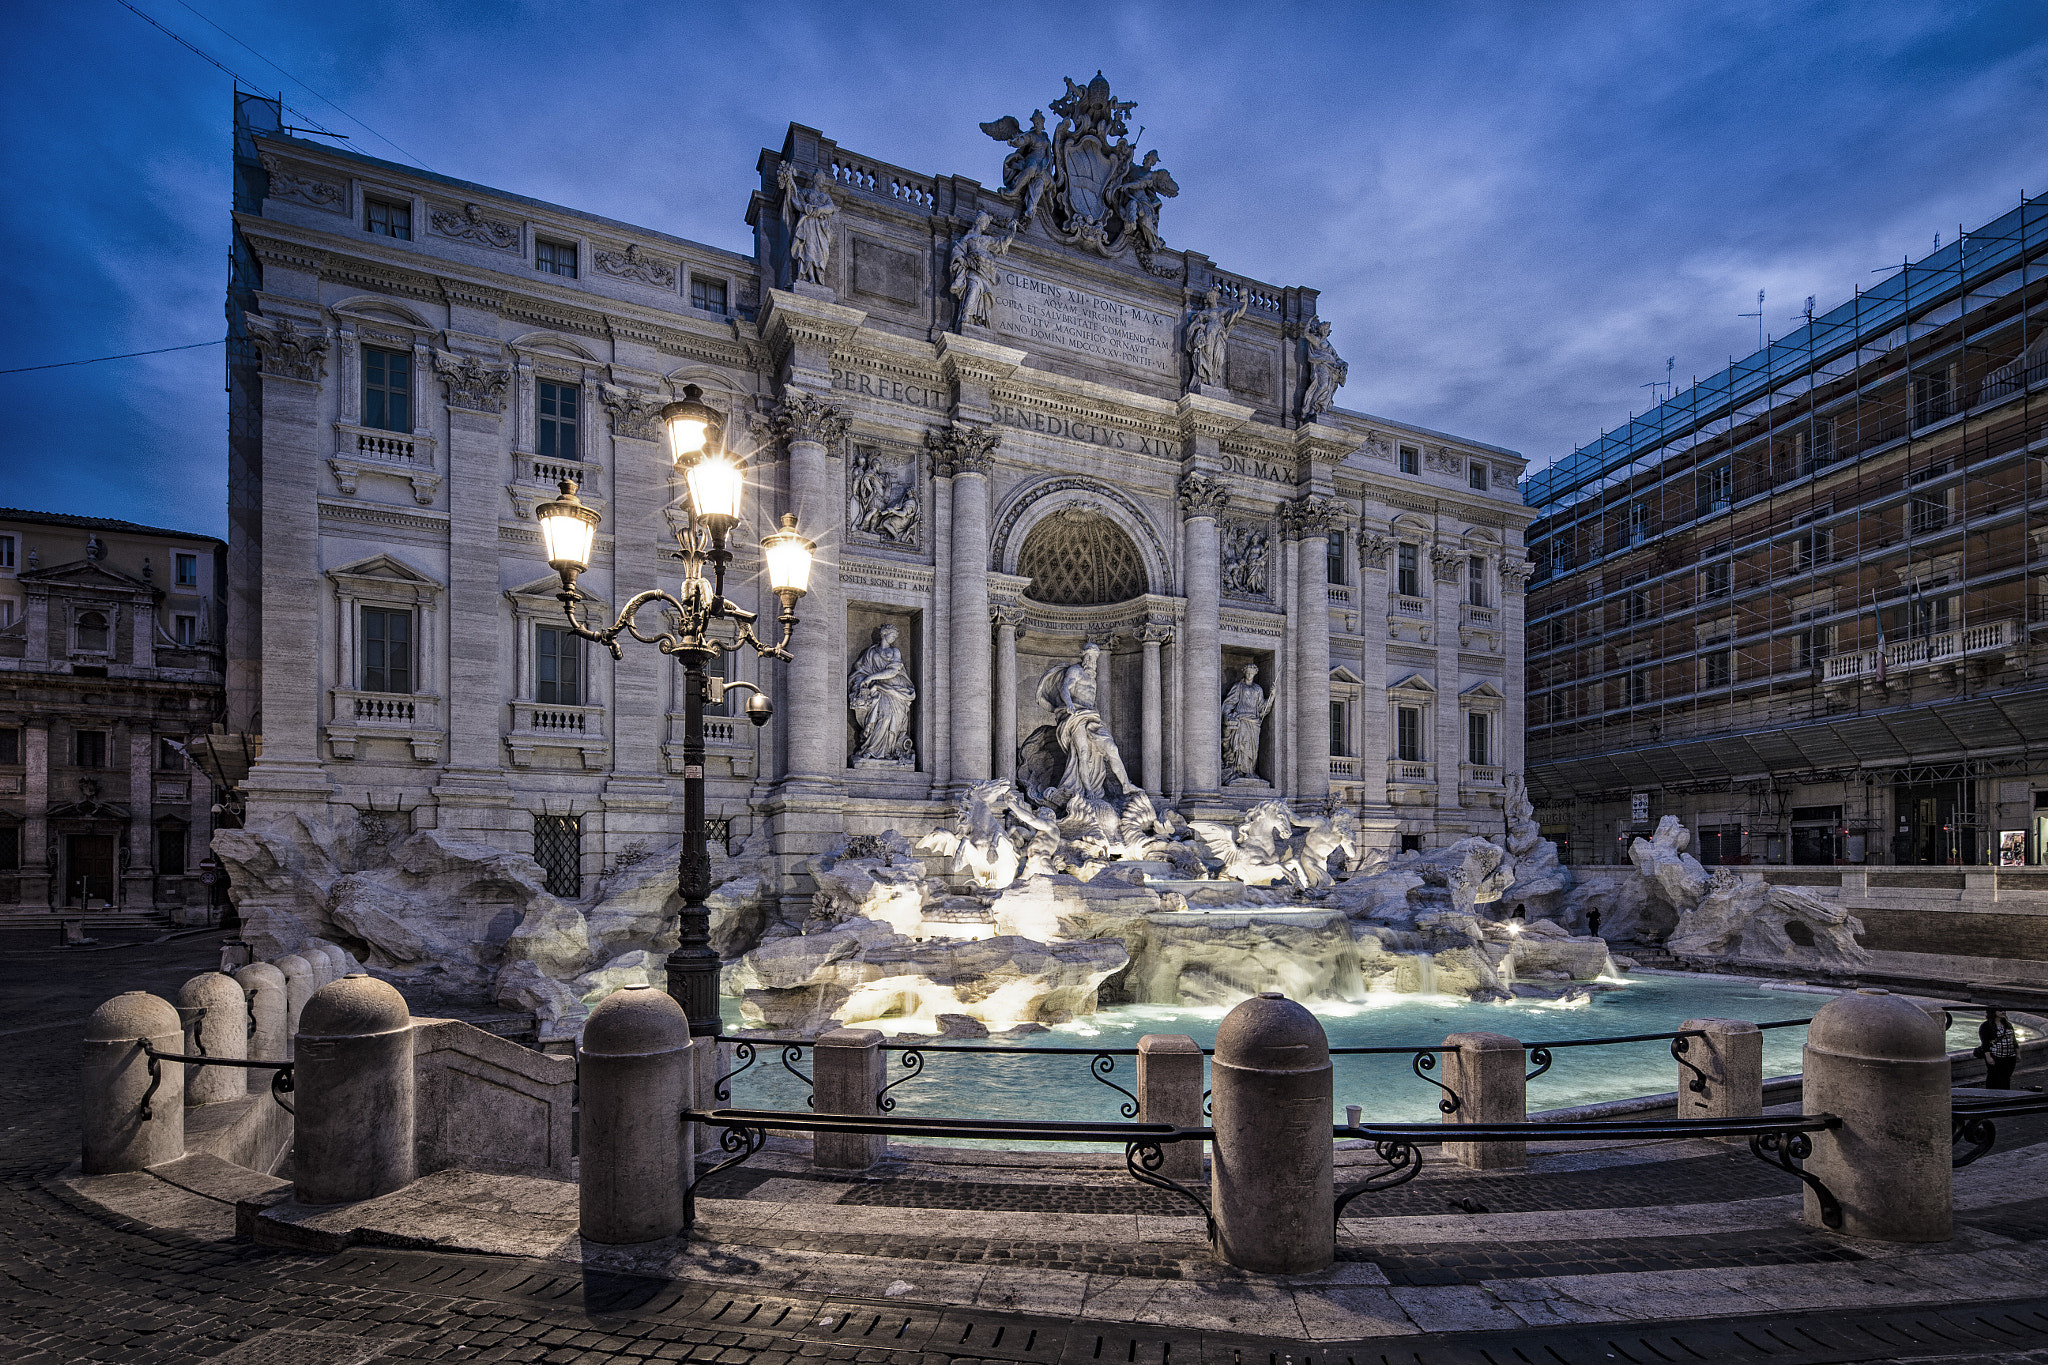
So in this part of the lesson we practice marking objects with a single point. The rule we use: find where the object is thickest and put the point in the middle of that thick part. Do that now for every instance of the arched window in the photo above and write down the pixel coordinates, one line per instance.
(92, 630)
(1078, 558)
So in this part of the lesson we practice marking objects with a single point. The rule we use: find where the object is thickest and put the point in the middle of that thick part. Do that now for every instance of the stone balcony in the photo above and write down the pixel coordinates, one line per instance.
(1410, 783)
(538, 725)
(1480, 784)
(1344, 768)
(355, 716)
(364, 451)
(1409, 618)
(1479, 626)
(1948, 650)
(536, 480)
(728, 745)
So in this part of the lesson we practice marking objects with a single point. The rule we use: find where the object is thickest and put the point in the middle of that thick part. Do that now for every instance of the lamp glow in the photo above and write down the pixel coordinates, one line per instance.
(568, 531)
(689, 424)
(715, 486)
(789, 559)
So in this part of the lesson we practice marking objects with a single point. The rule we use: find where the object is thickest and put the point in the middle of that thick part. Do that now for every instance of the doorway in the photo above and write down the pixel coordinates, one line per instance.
(1937, 823)
(88, 869)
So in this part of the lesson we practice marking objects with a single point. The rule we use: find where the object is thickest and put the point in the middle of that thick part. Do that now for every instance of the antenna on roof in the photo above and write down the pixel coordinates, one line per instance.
(1759, 316)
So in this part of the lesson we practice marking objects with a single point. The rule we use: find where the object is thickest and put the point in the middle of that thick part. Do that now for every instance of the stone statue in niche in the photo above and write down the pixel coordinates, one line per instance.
(873, 506)
(1245, 560)
(880, 693)
(1075, 757)
(807, 214)
(1245, 709)
(973, 270)
(1326, 371)
(1208, 335)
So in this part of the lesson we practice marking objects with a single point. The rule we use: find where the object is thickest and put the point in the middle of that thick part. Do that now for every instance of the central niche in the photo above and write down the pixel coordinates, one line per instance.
(1079, 558)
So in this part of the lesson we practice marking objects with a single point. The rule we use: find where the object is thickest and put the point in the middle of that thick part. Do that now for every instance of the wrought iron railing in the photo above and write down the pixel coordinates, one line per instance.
(280, 1078)
(1974, 1122)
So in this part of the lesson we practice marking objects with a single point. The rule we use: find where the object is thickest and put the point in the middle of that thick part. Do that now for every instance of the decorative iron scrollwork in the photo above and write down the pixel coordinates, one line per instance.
(1784, 1149)
(1679, 1047)
(1541, 1056)
(1976, 1130)
(1402, 1161)
(1143, 1160)
(1100, 1068)
(791, 1054)
(913, 1064)
(742, 1140)
(1425, 1062)
(743, 1053)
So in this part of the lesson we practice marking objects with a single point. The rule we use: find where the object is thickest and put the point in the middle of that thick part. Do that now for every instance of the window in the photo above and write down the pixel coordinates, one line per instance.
(555, 258)
(1928, 615)
(1411, 459)
(6, 552)
(168, 759)
(1715, 669)
(185, 630)
(1475, 738)
(1638, 525)
(557, 421)
(1815, 446)
(387, 650)
(89, 749)
(1639, 688)
(1475, 475)
(1816, 547)
(187, 570)
(170, 851)
(1815, 644)
(1714, 581)
(1475, 580)
(10, 848)
(1933, 398)
(387, 384)
(1635, 603)
(1408, 570)
(558, 667)
(1340, 729)
(10, 746)
(388, 218)
(92, 631)
(707, 294)
(7, 610)
(558, 848)
(1928, 510)
(1333, 557)
(1716, 487)
(1408, 734)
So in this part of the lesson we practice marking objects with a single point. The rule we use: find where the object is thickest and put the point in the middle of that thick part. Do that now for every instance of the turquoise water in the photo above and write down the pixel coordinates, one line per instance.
(1017, 1085)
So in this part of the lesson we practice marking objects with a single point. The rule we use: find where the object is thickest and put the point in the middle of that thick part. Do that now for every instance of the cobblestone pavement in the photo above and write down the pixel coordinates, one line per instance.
(78, 1284)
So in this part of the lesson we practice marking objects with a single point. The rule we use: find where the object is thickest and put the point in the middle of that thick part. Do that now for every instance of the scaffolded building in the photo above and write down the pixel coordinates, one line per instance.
(1796, 604)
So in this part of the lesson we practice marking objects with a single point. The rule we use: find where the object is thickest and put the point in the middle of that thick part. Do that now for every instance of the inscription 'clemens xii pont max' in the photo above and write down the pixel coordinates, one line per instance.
(1056, 315)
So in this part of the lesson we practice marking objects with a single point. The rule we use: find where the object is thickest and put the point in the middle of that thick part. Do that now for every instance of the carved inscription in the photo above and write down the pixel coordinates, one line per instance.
(892, 390)
(1080, 429)
(1029, 309)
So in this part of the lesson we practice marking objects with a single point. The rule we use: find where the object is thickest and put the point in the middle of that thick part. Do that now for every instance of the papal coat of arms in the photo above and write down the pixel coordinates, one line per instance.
(1084, 179)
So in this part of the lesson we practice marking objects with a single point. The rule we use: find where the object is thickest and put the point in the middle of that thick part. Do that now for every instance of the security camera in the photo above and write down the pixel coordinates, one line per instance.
(759, 708)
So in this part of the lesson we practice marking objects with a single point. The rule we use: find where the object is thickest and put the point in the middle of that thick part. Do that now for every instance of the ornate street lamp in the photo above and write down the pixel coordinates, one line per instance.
(716, 482)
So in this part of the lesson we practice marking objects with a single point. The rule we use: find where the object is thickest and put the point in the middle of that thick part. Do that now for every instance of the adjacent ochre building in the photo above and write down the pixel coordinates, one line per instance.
(1008, 440)
(110, 665)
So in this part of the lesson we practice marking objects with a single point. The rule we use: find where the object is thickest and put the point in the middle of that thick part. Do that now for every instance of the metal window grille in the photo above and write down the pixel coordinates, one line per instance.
(558, 848)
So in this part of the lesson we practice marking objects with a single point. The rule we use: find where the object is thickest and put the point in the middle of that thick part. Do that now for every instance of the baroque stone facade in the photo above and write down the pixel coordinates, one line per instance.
(987, 498)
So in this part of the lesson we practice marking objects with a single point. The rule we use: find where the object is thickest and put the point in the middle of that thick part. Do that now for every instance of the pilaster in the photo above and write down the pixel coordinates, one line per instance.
(801, 332)
(472, 790)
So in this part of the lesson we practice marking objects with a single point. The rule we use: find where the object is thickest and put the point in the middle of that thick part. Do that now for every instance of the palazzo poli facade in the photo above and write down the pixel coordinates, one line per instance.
(1014, 420)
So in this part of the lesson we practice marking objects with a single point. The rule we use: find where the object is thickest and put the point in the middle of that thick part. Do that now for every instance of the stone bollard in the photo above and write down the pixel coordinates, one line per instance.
(707, 1064)
(1731, 1060)
(634, 1076)
(1270, 1167)
(1875, 1061)
(72, 934)
(324, 974)
(263, 985)
(1170, 1091)
(338, 962)
(847, 1068)
(299, 985)
(235, 953)
(1487, 1074)
(115, 1134)
(220, 1029)
(354, 1091)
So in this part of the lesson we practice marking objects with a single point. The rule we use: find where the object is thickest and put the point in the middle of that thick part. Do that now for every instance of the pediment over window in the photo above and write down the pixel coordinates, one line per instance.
(1414, 686)
(385, 576)
(87, 573)
(540, 596)
(1341, 674)
(1482, 692)
(380, 310)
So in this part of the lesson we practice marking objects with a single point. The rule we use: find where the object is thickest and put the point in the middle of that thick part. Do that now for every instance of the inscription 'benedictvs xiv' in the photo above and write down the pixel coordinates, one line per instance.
(1057, 315)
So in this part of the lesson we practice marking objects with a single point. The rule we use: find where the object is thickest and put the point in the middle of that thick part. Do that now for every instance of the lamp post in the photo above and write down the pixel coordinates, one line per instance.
(715, 480)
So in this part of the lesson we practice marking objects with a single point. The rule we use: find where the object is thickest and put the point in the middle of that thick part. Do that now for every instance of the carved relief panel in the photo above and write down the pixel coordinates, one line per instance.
(885, 496)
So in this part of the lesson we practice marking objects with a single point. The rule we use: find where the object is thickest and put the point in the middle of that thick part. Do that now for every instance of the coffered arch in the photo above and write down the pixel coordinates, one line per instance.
(1073, 498)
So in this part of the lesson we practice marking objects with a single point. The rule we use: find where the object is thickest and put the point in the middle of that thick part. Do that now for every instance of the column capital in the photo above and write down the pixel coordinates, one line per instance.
(1310, 517)
(1009, 614)
(1373, 548)
(1155, 633)
(962, 449)
(1202, 496)
(1448, 560)
(801, 416)
(1515, 575)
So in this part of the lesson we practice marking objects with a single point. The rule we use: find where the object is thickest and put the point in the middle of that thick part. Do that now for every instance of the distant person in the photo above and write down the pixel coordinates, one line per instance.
(1999, 1046)
(1593, 924)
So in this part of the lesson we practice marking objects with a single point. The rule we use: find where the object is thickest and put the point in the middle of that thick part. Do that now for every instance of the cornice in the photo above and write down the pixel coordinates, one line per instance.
(1202, 416)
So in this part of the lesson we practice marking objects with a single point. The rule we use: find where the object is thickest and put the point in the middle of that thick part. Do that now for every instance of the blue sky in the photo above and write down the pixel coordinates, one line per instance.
(1515, 211)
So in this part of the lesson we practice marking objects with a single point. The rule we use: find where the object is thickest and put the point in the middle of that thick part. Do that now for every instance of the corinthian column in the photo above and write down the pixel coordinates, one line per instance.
(815, 727)
(1201, 498)
(1313, 518)
(1007, 620)
(970, 454)
(1151, 636)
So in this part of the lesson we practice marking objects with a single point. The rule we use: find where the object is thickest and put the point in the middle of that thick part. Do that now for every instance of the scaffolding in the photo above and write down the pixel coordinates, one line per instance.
(1834, 529)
